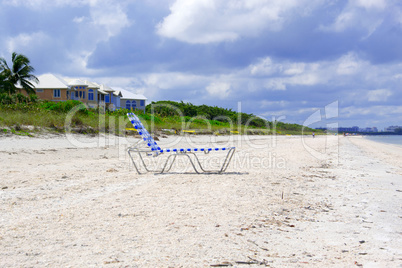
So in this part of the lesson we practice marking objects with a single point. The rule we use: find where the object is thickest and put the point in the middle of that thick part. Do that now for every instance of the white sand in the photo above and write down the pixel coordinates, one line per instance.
(79, 203)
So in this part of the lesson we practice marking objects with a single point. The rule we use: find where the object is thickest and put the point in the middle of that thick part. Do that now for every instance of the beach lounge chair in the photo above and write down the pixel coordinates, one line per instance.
(148, 146)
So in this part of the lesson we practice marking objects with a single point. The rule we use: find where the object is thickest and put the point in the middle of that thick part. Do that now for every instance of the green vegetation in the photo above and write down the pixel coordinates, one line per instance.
(180, 115)
(19, 74)
(18, 111)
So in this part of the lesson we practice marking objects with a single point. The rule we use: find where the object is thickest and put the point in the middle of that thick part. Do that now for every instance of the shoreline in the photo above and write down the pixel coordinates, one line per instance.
(385, 141)
(389, 152)
(328, 201)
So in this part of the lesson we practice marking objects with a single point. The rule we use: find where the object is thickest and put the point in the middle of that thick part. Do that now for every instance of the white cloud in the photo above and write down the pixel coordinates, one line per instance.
(109, 15)
(78, 19)
(348, 64)
(264, 67)
(106, 19)
(278, 75)
(219, 90)
(308, 79)
(379, 95)
(369, 4)
(45, 4)
(360, 14)
(24, 41)
(208, 21)
(172, 80)
(270, 104)
(295, 68)
(378, 110)
(275, 84)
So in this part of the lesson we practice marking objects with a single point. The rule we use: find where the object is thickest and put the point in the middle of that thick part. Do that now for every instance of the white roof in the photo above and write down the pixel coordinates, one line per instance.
(117, 93)
(54, 81)
(127, 95)
(102, 92)
(91, 84)
(76, 82)
(50, 81)
(106, 88)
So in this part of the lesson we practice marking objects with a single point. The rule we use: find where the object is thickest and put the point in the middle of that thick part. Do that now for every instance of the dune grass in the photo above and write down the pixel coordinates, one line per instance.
(73, 116)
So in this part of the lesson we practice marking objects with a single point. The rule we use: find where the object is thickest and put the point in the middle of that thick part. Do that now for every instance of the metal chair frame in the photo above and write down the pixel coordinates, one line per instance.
(151, 150)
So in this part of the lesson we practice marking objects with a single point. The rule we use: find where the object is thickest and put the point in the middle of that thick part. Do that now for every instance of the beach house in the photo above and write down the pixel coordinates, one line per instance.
(130, 100)
(56, 88)
(52, 87)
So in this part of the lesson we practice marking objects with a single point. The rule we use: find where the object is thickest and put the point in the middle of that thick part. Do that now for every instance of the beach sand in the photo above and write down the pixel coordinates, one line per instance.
(76, 201)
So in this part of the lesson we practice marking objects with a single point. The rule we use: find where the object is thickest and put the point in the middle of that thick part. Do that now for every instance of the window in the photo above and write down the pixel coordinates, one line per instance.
(128, 105)
(83, 94)
(142, 103)
(56, 93)
(39, 90)
(80, 94)
(134, 104)
(76, 94)
(107, 99)
(90, 94)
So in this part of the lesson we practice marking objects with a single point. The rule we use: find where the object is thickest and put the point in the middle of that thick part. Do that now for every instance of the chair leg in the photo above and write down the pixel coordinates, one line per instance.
(223, 168)
(192, 163)
(142, 161)
(171, 164)
(196, 164)
(132, 160)
(227, 160)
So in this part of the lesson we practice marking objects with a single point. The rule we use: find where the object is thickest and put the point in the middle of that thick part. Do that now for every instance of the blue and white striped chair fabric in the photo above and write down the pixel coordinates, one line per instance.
(143, 132)
(205, 150)
(186, 152)
(154, 146)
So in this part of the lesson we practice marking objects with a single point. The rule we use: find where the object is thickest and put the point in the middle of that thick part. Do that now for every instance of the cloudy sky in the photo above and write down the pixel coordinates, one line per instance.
(284, 59)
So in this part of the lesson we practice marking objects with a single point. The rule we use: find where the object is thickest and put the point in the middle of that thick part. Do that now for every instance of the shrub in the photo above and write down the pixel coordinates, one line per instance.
(62, 106)
(5, 99)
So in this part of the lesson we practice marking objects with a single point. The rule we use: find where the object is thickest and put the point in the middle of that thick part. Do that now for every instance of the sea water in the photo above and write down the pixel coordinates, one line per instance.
(393, 139)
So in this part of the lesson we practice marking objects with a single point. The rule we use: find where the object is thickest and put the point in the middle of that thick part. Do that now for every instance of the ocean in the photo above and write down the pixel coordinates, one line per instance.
(393, 139)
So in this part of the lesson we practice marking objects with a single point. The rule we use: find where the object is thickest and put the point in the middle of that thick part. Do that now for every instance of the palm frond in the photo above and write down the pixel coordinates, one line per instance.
(20, 74)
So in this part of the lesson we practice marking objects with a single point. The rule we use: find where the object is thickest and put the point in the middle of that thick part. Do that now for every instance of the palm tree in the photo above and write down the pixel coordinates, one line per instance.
(5, 85)
(19, 75)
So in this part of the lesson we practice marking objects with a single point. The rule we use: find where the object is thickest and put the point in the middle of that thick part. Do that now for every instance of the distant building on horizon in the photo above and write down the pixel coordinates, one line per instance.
(369, 129)
(392, 128)
(348, 129)
(354, 129)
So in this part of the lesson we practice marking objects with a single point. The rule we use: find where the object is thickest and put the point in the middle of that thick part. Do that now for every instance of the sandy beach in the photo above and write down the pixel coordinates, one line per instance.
(285, 201)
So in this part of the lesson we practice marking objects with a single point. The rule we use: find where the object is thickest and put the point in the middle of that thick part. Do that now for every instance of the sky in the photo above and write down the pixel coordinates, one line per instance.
(311, 62)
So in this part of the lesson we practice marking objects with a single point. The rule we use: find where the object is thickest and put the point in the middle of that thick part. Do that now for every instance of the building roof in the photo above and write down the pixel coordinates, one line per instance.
(50, 81)
(76, 82)
(106, 88)
(127, 95)
(117, 93)
(91, 84)
(100, 91)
